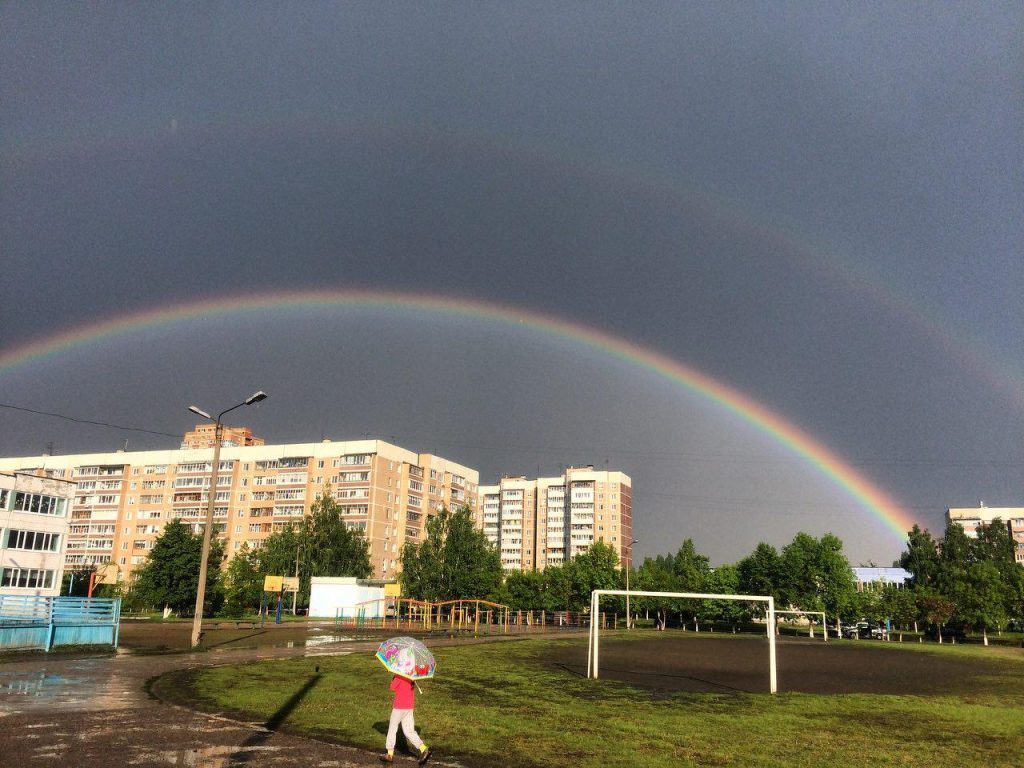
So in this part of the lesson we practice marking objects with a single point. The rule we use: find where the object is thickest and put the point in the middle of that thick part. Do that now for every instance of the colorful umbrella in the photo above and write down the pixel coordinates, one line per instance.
(408, 657)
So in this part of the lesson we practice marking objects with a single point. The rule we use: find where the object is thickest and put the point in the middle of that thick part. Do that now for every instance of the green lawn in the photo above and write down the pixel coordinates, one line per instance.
(501, 704)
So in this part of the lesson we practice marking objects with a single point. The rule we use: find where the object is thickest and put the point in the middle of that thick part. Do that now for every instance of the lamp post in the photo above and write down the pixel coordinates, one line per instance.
(629, 618)
(197, 622)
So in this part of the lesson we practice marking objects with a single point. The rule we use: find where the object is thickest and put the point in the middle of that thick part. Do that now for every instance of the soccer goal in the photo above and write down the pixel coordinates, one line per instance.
(595, 630)
(824, 626)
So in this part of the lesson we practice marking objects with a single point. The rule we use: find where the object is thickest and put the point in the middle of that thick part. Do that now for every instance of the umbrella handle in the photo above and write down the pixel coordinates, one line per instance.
(418, 689)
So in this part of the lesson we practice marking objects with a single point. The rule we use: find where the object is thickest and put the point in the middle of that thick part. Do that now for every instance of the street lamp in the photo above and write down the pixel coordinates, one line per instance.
(629, 621)
(197, 622)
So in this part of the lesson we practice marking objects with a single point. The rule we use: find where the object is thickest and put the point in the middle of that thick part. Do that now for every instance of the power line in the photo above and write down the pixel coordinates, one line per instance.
(87, 421)
(737, 458)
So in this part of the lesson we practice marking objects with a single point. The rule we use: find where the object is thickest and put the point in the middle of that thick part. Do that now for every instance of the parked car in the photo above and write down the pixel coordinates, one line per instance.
(850, 632)
(864, 630)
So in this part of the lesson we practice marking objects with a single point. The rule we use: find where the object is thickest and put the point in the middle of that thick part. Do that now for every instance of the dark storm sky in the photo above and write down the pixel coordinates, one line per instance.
(818, 204)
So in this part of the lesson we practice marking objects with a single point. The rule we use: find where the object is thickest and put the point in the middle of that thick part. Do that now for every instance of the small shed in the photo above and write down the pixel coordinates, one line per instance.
(330, 595)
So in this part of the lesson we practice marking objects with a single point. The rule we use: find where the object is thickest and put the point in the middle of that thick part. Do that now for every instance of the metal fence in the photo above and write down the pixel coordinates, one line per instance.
(48, 622)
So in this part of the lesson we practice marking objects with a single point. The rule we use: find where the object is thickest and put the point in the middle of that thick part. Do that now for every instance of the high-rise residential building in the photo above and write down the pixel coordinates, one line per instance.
(204, 434)
(973, 518)
(542, 522)
(124, 499)
(33, 533)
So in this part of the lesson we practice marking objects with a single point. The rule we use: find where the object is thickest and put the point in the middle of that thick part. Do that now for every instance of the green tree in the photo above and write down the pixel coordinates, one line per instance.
(690, 568)
(724, 580)
(900, 605)
(559, 587)
(329, 547)
(322, 545)
(817, 576)
(655, 575)
(760, 573)
(243, 583)
(690, 571)
(456, 561)
(280, 551)
(597, 568)
(523, 590)
(981, 598)
(170, 576)
(921, 559)
(935, 608)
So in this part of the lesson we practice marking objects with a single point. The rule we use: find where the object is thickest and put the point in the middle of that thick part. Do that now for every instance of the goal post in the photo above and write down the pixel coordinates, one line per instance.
(824, 626)
(597, 594)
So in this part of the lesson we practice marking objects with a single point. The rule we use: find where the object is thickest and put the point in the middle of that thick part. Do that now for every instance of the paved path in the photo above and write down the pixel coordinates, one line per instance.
(96, 713)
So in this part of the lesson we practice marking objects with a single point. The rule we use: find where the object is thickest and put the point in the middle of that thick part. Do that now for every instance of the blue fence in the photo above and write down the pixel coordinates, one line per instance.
(48, 622)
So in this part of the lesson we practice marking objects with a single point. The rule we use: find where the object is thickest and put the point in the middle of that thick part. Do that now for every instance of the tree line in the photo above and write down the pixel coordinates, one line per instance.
(972, 583)
(958, 581)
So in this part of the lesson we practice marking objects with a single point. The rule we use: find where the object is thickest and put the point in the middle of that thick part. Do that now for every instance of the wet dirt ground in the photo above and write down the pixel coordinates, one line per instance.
(723, 664)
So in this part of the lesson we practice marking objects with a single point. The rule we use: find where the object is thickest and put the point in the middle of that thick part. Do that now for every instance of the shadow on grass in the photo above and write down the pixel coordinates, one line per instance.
(245, 752)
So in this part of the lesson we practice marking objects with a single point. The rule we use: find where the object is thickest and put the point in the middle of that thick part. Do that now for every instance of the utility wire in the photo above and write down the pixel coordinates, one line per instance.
(87, 421)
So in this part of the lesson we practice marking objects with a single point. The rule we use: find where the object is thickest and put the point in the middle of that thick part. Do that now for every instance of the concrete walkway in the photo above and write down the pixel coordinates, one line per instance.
(96, 713)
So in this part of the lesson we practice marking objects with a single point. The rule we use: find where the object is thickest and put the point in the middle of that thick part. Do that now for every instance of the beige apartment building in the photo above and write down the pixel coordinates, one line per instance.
(973, 518)
(33, 533)
(204, 434)
(536, 523)
(124, 499)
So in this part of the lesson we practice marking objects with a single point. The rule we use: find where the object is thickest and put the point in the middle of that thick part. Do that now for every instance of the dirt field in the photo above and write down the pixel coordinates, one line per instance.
(677, 662)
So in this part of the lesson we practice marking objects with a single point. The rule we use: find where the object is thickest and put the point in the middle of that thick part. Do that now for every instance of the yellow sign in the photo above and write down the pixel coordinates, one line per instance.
(393, 589)
(273, 583)
(291, 583)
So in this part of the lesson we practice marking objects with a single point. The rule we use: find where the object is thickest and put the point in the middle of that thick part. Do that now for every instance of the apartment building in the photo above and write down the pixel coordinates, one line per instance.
(33, 533)
(204, 434)
(546, 521)
(973, 518)
(124, 499)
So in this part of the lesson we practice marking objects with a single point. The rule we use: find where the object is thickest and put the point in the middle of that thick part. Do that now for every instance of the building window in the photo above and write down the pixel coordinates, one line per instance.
(38, 504)
(26, 578)
(33, 540)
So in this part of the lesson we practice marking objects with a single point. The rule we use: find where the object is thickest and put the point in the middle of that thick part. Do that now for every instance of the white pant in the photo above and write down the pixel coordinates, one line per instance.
(403, 716)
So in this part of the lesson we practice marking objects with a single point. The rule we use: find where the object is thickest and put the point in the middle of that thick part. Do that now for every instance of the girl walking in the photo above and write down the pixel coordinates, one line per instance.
(402, 713)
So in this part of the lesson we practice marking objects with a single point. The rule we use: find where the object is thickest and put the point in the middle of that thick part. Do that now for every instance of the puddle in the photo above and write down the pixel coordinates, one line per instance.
(35, 684)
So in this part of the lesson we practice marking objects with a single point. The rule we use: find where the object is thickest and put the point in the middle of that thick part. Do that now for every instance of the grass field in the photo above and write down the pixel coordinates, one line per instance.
(518, 704)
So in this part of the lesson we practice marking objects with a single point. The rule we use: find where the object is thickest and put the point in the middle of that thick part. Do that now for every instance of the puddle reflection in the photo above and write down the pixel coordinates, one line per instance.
(34, 684)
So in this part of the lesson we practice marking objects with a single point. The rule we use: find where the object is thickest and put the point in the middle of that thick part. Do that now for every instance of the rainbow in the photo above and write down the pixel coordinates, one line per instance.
(845, 270)
(884, 508)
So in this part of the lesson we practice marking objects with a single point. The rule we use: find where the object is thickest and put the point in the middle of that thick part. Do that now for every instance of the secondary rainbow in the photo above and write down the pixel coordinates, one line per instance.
(873, 499)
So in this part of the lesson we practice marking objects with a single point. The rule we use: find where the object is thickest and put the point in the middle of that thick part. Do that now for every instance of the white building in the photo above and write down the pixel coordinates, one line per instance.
(33, 533)
(973, 518)
(542, 522)
(345, 597)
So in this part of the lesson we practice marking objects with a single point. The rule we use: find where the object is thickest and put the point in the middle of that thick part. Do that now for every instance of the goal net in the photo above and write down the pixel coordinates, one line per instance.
(595, 629)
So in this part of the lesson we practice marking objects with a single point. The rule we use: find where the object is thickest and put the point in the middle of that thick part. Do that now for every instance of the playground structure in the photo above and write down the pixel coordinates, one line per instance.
(470, 616)
(477, 617)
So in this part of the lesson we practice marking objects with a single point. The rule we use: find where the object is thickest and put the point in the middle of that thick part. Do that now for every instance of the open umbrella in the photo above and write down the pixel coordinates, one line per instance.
(407, 657)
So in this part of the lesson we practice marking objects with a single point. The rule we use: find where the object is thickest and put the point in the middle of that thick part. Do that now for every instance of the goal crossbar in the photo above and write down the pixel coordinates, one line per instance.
(597, 594)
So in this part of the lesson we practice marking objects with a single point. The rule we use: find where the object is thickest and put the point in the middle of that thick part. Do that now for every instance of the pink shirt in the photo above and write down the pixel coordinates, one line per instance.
(405, 693)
